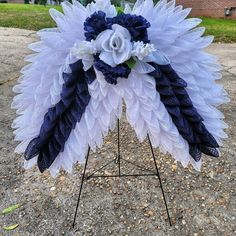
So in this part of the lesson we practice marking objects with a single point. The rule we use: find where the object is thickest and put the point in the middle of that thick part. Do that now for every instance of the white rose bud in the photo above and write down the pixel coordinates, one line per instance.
(115, 45)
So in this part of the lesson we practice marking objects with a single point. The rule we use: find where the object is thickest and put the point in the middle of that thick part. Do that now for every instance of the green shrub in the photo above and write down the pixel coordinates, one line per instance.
(42, 2)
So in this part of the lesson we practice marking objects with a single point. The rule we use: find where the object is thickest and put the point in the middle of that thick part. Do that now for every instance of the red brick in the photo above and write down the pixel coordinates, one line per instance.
(211, 8)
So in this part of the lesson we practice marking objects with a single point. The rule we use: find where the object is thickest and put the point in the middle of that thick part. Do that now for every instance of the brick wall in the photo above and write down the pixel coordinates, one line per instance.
(212, 8)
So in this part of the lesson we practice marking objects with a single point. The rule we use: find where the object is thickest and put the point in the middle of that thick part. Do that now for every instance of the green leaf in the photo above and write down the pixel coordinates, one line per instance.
(10, 209)
(130, 63)
(10, 227)
(120, 10)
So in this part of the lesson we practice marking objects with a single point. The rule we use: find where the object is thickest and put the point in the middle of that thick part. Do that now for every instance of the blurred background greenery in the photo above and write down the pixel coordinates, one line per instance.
(36, 17)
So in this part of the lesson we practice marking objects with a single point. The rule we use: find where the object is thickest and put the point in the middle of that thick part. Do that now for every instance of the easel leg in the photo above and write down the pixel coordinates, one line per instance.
(159, 178)
(118, 145)
(81, 187)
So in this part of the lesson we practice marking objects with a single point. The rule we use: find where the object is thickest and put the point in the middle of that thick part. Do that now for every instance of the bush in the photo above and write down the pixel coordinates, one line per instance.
(3, 1)
(42, 2)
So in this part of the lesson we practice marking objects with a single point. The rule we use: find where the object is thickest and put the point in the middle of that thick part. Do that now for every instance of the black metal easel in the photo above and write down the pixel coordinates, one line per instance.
(117, 161)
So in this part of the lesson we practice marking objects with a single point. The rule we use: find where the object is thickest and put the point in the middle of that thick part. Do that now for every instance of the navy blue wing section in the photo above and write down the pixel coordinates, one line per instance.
(61, 119)
(173, 94)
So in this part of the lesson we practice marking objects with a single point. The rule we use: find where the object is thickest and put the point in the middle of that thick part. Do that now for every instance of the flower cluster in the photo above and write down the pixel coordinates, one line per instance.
(114, 40)
(136, 25)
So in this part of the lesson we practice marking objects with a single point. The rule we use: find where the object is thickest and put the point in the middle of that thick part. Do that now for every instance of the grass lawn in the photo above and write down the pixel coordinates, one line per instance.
(223, 30)
(35, 17)
(26, 16)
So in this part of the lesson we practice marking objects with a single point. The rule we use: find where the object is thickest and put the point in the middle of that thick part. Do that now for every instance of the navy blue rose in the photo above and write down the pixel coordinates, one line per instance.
(94, 25)
(111, 74)
(136, 25)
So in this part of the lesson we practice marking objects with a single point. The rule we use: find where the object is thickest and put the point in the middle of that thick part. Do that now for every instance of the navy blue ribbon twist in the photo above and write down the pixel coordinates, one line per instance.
(61, 119)
(184, 115)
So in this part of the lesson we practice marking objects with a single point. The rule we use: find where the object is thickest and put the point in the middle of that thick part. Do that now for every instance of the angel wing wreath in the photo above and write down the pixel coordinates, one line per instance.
(149, 56)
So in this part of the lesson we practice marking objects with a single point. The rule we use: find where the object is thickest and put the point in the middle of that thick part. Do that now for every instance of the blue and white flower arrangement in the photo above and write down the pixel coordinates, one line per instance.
(149, 56)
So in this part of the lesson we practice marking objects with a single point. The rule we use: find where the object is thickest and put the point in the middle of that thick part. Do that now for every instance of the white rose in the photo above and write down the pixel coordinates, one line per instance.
(115, 45)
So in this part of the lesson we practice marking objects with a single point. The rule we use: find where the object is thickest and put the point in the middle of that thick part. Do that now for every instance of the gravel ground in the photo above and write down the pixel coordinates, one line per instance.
(200, 203)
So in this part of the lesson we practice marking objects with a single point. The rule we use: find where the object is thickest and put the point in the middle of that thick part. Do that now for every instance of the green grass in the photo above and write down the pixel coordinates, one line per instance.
(223, 30)
(35, 17)
(26, 16)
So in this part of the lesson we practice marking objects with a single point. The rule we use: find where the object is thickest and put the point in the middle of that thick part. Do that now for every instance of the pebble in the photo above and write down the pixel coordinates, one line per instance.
(107, 172)
(173, 168)
(145, 205)
(149, 213)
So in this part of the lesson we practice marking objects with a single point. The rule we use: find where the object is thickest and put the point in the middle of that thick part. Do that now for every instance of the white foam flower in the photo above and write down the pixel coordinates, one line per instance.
(84, 50)
(115, 45)
(141, 50)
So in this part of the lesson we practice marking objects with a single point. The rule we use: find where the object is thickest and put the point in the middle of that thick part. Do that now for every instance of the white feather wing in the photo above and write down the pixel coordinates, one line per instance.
(147, 115)
(100, 116)
(40, 85)
(176, 37)
(183, 44)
